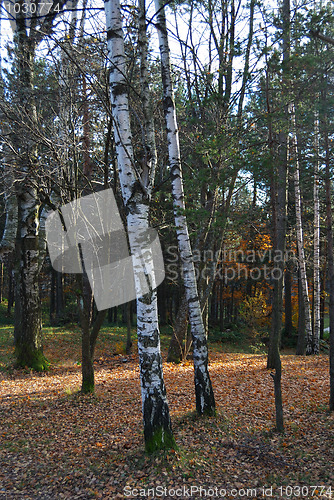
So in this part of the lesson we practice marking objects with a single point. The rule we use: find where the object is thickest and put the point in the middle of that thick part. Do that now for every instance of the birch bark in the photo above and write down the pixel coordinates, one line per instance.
(157, 423)
(205, 402)
(316, 242)
(7, 244)
(150, 159)
(299, 228)
(207, 239)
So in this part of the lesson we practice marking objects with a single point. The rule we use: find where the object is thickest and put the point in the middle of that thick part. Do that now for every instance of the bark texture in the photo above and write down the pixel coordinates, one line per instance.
(330, 257)
(299, 229)
(28, 321)
(28, 325)
(316, 244)
(157, 423)
(205, 402)
(279, 235)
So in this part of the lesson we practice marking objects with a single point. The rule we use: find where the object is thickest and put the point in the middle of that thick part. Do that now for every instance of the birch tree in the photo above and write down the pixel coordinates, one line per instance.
(316, 242)
(135, 189)
(213, 120)
(205, 402)
(299, 229)
(7, 244)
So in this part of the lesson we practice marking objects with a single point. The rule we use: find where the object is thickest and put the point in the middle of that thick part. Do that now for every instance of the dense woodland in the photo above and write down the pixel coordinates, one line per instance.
(213, 124)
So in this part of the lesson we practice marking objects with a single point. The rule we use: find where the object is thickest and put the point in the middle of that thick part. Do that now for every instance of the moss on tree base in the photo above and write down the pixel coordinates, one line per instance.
(208, 412)
(30, 358)
(87, 387)
(161, 439)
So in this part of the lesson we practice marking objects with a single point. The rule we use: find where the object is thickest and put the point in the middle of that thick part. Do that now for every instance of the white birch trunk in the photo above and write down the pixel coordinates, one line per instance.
(205, 402)
(157, 424)
(316, 242)
(7, 244)
(150, 160)
(299, 228)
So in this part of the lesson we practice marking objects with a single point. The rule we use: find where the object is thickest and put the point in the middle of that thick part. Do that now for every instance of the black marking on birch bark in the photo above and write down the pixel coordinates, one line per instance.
(31, 243)
(118, 89)
(198, 344)
(156, 414)
(161, 27)
(205, 400)
(193, 299)
(150, 341)
(132, 203)
(168, 104)
(147, 298)
(111, 33)
(175, 175)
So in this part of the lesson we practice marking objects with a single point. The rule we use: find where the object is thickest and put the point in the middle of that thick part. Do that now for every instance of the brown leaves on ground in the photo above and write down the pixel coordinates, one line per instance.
(56, 443)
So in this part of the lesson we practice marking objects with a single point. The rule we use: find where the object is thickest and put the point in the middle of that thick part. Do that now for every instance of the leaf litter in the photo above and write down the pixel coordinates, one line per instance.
(56, 443)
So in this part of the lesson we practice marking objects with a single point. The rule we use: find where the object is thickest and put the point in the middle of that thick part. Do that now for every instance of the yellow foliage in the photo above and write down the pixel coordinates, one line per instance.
(255, 311)
(120, 348)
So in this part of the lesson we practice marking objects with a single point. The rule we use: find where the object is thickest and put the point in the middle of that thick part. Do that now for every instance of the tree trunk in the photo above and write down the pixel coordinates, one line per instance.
(157, 423)
(52, 309)
(1, 281)
(128, 329)
(279, 239)
(60, 306)
(288, 303)
(100, 317)
(87, 367)
(221, 306)
(300, 236)
(274, 360)
(330, 258)
(301, 341)
(28, 321)
(162, 303)
(112, 315)
(177, 346)
(88, 342)
(7, 244)
(11, 287)
(316, 244)
(205, 402)
(278, 393)
(323, 296)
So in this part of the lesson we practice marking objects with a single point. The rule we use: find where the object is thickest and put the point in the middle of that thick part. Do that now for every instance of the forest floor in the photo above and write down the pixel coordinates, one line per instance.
(56, 443)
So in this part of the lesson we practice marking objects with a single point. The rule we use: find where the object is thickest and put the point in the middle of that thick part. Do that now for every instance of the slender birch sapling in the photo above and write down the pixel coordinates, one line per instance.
(205, 401)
